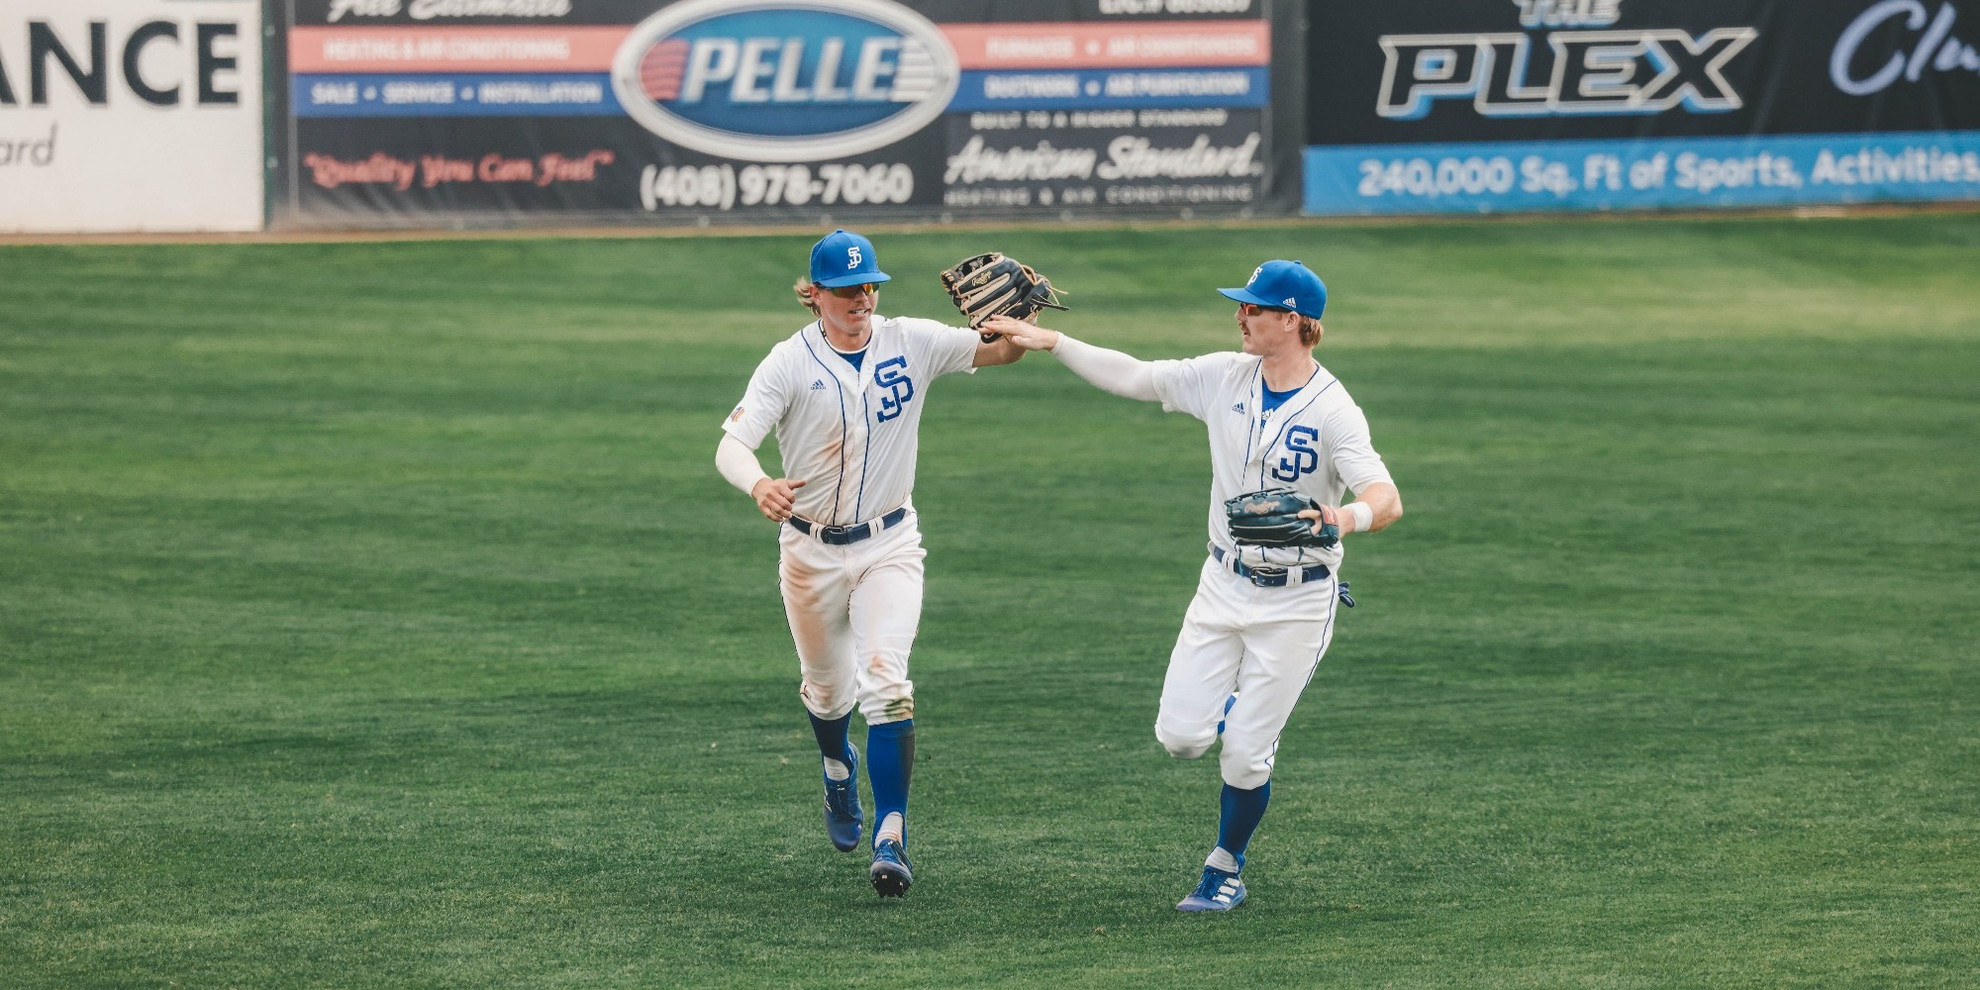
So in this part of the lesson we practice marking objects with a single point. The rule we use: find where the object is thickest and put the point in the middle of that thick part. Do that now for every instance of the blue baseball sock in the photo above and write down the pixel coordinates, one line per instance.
(1242, 810)
(890, 765)
(833, 743)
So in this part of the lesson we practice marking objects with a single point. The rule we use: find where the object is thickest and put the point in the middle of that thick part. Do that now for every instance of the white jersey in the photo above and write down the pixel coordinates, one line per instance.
(851, 434)
(1316, 442)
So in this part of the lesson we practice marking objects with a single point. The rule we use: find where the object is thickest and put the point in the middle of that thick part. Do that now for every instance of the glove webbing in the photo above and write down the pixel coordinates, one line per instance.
(993, 298)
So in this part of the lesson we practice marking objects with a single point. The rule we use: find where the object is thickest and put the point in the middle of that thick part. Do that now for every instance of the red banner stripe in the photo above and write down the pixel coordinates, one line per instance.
(1154, 44)
(1110, 46)
(454, 49)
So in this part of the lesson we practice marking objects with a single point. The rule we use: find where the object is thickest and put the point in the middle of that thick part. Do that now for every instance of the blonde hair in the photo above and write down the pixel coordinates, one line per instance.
(1310, 330)
(804, 288)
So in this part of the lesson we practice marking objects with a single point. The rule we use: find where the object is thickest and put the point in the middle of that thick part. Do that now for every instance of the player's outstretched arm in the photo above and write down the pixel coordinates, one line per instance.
(1112, 371)
(1020, 334)
(775, 497)
(1002, 350)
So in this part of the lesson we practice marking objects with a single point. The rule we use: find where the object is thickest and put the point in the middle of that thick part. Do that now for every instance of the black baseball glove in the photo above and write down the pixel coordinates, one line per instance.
(1271, 519)
(993, 285)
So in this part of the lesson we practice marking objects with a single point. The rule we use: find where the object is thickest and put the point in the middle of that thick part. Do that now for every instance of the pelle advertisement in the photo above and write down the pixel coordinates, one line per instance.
(713, 111)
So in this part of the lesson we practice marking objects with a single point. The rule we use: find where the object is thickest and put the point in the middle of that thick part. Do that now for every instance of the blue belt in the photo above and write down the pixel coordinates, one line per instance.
(1278, 577)
(839, 536)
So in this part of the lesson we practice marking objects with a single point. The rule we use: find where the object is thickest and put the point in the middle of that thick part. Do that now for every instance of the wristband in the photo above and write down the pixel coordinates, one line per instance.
(1364, 516)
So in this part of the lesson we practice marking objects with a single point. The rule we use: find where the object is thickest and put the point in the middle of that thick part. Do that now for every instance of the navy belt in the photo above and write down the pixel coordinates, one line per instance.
(1278, 577)
(839, 536)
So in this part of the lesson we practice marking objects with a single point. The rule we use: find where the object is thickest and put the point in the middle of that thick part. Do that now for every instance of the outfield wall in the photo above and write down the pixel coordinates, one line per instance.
(1504, 105)
(706, 111)
(130, 115)
(181, 115)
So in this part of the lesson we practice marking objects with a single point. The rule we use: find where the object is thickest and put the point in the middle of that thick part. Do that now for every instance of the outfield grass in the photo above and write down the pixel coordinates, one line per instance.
(373, 616)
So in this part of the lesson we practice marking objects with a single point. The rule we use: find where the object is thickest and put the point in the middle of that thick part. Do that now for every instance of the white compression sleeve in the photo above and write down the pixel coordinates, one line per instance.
(738, 464)
(1113, 371)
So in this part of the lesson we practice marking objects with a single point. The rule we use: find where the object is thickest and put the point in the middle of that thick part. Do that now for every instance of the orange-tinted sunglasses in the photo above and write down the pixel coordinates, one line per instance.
(854, 291)
(1253, 309)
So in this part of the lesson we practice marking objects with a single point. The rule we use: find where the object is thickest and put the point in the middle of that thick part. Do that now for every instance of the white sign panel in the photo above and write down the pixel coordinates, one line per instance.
(130, 115)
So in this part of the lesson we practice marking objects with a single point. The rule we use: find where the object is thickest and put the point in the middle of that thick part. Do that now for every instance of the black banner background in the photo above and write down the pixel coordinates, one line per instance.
(1782, 77)
(638, 177)
(315, 12)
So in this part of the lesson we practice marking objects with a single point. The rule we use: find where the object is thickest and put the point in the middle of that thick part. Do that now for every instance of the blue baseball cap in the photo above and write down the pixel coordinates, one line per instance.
(1283, 285)
(845, 258)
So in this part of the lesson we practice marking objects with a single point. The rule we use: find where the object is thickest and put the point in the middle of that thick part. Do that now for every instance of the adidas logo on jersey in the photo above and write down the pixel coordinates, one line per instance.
(818, 383)
(1238, 408)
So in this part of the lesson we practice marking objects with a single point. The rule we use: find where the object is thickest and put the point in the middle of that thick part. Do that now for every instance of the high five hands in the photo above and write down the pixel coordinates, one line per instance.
(1029, 336)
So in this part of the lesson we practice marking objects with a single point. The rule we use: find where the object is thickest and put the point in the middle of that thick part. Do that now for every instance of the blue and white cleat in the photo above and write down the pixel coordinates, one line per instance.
(892, 875)
(1228, 702)
(1219, 891)
(842, 814)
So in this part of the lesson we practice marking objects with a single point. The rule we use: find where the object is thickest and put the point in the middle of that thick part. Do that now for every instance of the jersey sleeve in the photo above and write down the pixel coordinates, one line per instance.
(1191, 385)
(1351, 449)
(941, 349)
(763, 403)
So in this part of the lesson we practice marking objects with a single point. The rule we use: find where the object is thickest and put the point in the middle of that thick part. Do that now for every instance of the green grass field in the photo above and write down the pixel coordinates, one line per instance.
(371, 615)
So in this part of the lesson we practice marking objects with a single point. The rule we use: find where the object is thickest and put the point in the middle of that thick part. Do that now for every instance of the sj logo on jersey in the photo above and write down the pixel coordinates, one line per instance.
(1300, 457)
(891, 375)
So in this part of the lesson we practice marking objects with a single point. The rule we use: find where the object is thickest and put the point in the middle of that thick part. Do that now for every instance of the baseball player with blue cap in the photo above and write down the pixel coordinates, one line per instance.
(1262, 616)
(844, 395)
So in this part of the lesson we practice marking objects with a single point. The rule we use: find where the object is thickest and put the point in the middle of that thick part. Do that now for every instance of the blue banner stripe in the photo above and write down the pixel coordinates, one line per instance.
(471, 95)
(1669, 173)
(1102, 89)
(588, 94)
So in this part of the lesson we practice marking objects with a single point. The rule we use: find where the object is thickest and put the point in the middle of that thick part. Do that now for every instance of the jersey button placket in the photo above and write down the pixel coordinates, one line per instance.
(858, 429)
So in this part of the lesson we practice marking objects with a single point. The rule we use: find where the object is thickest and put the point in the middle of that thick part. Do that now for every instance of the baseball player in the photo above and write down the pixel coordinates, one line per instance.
(844, 395)
(1262, 617)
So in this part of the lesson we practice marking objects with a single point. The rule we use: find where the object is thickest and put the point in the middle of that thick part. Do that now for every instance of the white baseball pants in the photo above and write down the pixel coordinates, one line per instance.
(1265, 644)
(854, 611)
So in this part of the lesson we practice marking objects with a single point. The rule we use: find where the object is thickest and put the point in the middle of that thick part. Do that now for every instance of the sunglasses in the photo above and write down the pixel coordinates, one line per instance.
(1253, 309)
(855, 291)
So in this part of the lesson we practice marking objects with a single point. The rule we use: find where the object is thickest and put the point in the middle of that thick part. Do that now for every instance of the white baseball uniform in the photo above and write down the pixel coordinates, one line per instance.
(852, 435)
(1240, 635)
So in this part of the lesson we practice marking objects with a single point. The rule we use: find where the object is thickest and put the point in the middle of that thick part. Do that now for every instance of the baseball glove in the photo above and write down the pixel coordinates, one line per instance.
(993, 285)
(1271, 519)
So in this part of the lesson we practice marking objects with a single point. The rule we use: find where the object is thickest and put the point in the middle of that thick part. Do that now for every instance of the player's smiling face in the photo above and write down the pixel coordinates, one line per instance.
(847, 311)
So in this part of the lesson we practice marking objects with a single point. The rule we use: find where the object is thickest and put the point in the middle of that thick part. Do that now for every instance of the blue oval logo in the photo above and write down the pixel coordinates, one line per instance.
(785, 80)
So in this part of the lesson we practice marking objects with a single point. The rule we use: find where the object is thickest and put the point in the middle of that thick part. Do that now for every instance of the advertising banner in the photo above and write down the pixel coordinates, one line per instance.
(1481, 105)
(698, 111)
(130, 115)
